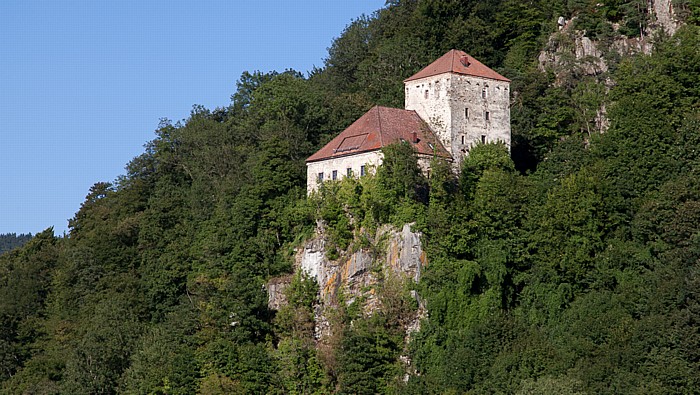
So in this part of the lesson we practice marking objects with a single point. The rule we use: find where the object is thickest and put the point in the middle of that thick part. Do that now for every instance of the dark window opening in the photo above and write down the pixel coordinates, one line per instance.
(466, 114)
(462, 140)
(362, 170)
(487, 115)
(483, 139)
(320, 177)
(335, 174)
(349, 172)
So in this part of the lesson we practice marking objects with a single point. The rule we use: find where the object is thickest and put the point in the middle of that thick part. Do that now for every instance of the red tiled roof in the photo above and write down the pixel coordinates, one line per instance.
(452, 62)
(378, 128)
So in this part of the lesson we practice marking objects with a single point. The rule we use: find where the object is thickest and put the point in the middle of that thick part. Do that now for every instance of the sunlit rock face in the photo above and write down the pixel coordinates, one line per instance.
(399, 251)
(356, 272)
(570, 49)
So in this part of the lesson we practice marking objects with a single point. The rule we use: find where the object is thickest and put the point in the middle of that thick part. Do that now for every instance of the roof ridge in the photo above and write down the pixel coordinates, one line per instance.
(446, 64)
(393, 124)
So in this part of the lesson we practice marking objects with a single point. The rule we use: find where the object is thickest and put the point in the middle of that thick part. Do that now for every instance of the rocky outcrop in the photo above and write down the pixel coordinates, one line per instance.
(404, 253)
(570, 49)
(399, 251)
(275, 292)
(358, 270)
(665, 16)
(571, 54)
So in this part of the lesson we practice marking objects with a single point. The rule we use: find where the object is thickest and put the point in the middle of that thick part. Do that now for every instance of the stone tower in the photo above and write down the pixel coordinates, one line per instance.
(463, 101)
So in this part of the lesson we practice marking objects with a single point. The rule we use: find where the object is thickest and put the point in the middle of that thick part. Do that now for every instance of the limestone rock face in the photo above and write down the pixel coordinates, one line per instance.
(665, 15)
(570, 53)
(404, 252)
(275, 292)
(356, 271)
(569, 49)
(399, 251)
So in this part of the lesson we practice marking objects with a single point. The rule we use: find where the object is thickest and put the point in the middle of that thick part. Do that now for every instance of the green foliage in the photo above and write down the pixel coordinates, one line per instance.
(164, 361)
(577, 274)
(482, 157)
(367, 358)
(10, 241)
(25, 281)
(395, 194)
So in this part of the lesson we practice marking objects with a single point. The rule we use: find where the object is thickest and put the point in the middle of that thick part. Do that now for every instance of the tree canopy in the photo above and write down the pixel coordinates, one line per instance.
(568, 264)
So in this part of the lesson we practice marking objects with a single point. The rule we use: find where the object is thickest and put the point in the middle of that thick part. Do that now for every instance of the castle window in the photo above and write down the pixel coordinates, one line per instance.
(484, 92)
(487, 115)
(483, 139)
(349, 172)
(466, 113)
(462, 140)
(320, 177)
(335, 174)
(426, 94)
(363, 170)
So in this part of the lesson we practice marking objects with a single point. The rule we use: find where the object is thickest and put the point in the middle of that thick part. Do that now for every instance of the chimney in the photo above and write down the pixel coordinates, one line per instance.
(414, 137)
(464, 60)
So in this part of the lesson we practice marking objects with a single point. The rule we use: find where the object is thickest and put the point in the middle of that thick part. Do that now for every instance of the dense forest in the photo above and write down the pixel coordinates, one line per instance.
(9, 241)
(570, 265)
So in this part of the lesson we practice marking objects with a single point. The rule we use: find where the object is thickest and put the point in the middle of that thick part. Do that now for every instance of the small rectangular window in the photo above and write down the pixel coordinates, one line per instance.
(335, 174)
(349, 172)
(483, 139)
(426, 94)
(462, 140)
(320, 177)
(466, 114)
(487, 115)
(484, 92)
(362, 170)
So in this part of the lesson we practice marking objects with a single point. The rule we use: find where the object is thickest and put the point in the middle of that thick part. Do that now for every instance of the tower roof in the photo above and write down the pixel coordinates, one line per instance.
(378, 128)
(458, 62)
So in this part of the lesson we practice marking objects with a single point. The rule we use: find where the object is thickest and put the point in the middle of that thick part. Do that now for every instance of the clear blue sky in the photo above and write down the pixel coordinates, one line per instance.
(84, 83)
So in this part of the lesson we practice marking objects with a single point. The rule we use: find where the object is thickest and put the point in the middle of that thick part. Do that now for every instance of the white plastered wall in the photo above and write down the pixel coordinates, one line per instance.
(369, 159)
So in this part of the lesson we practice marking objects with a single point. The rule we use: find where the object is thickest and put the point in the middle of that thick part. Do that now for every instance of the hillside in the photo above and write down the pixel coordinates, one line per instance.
(569, 266)
(10, 241)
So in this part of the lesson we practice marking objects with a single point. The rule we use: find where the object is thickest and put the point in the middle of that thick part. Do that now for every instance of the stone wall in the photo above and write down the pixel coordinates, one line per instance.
(462, 110)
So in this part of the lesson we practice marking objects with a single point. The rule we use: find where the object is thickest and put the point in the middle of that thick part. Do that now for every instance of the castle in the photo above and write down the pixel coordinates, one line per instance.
(451, 105)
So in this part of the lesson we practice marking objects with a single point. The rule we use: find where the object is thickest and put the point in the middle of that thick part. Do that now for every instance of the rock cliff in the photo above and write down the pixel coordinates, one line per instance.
(355, 274)
(589, 55)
